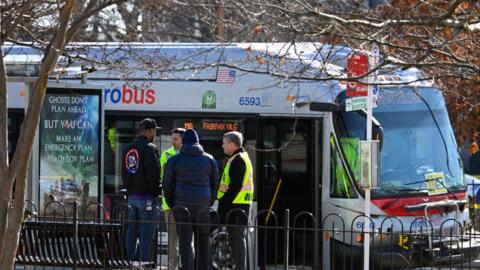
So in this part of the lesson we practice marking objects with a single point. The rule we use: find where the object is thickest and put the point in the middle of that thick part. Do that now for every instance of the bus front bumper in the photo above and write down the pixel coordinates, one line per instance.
(415, 254)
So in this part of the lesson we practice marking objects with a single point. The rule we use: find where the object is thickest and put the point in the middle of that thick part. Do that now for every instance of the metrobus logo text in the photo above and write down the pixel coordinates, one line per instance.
(128, 95)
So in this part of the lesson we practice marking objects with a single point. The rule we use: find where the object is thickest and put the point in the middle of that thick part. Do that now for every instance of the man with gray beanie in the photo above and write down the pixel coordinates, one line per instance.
(236, 195)
(190, 185)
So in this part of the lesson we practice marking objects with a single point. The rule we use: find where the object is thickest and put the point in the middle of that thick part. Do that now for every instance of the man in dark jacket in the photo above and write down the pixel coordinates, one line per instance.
(190, 185)
(236, 195)
(141, 178)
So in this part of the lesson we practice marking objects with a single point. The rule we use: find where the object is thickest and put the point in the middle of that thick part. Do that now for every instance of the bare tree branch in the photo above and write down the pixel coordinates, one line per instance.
(21, 157)
(33, 111)
(91, 10)
(25, 7)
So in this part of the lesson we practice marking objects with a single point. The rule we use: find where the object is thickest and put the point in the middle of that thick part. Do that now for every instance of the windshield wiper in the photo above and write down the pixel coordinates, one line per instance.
(404, 189)
(441, 183)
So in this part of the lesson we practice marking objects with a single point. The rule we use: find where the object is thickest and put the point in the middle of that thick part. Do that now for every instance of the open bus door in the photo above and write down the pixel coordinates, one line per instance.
(290, 161)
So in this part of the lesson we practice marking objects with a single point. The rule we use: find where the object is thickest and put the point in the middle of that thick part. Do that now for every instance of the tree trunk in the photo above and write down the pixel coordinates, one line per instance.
(4, 207)
(5, 192)
(15, 221)
(18, 168)
(11, 217)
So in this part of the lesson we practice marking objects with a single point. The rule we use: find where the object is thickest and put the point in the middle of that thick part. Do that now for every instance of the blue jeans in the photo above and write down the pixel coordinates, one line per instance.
(142, 224)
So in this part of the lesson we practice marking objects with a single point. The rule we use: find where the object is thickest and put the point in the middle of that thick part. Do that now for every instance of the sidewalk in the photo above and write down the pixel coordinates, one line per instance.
(472, 265)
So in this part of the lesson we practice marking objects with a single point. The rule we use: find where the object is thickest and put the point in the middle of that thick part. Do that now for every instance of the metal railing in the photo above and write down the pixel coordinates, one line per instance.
(86, 239)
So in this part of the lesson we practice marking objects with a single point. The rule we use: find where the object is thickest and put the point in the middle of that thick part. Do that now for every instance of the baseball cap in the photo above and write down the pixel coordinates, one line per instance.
(148, 123)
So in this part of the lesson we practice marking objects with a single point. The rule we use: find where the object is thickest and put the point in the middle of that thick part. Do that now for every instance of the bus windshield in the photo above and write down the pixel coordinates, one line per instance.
(418, 142)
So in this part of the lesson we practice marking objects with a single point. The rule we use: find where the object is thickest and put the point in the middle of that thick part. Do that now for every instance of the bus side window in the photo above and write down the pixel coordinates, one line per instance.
(340, 185)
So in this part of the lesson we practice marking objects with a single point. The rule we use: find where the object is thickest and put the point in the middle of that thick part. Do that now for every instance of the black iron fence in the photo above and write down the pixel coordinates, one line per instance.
(65, 237)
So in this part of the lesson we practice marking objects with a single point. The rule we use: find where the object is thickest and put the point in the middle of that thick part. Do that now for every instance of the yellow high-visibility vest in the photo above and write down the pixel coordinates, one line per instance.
(245, 196)
(112, 138)
(170, 152)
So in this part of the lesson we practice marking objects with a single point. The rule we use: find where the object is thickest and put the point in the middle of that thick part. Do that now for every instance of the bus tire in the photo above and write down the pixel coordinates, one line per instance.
(221, 253)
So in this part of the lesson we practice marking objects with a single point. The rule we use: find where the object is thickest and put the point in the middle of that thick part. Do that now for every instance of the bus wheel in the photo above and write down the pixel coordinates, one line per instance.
(221, 252)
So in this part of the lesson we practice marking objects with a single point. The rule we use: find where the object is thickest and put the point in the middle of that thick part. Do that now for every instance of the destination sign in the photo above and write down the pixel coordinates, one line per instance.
(209, 127)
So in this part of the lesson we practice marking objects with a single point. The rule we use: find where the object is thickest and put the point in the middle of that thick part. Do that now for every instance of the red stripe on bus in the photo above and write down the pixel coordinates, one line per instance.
(393, 206)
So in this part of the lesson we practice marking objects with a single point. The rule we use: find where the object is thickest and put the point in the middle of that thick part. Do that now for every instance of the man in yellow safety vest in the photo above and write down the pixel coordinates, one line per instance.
(176, 138)
(235, 195)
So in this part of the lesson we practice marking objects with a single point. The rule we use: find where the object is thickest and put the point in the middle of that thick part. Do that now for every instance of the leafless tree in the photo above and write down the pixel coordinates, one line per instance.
(152, 21)
(439, 37)
(50, 26)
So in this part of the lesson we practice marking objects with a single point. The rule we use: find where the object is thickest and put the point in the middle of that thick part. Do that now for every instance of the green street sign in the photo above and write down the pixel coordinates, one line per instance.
(356, 103)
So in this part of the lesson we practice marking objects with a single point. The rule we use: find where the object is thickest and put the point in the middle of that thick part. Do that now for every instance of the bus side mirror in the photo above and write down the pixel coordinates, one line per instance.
(326, 107)
(377, 134)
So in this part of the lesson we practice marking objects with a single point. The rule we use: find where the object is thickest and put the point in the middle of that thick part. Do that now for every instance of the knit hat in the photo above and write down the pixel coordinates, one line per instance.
(190, 137)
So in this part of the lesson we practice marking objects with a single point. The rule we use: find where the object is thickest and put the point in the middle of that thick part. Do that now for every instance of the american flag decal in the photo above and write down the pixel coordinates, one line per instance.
(226, 76)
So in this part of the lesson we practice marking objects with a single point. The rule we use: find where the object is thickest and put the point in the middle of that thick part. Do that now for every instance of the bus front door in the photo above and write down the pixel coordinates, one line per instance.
(286, 166)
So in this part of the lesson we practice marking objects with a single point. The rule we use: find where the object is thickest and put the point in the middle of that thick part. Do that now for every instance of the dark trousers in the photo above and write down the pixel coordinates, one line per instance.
(238, 244)
(197, 222)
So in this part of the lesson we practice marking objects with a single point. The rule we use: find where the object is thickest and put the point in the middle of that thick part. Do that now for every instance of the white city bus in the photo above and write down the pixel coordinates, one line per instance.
(296, 129)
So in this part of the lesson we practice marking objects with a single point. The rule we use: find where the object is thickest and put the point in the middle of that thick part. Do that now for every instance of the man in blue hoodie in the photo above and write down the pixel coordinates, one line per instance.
(190, 186)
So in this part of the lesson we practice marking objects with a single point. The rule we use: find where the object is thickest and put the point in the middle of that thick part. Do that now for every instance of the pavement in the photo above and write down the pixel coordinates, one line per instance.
(472, 265)
(466, 266)
(476, 263)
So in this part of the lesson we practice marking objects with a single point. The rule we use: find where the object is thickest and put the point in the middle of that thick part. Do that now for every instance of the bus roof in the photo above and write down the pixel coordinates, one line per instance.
(282, 75)
(197, 61)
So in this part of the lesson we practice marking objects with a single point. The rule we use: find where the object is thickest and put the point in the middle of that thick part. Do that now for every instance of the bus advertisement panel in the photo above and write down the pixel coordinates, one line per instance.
(70, 128)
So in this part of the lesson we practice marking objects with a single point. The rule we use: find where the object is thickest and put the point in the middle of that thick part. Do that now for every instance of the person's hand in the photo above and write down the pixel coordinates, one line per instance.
(212, 201)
